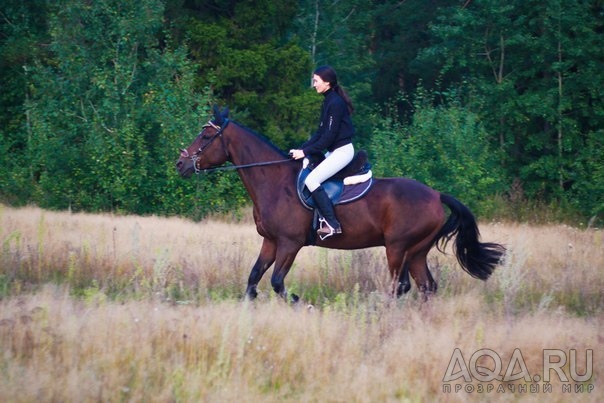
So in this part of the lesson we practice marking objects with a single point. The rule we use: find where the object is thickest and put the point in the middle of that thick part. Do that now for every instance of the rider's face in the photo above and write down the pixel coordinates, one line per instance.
(320, 85)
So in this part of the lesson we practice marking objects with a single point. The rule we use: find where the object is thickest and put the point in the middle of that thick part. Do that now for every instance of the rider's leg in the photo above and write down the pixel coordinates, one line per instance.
(327, 211)
(332, 164)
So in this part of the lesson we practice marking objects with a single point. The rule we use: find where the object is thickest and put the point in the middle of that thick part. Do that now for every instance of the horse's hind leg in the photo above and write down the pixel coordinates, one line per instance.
(265, 259)
(399, 270)
(404, 284)
(402, 264)
(418, 268)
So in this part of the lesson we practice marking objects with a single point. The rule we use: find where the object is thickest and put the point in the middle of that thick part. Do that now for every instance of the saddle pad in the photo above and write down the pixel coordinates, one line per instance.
(335, 189)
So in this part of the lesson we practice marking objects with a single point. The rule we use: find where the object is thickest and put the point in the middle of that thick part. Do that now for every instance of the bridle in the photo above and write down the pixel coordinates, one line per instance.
(219, 130)
(195, 157)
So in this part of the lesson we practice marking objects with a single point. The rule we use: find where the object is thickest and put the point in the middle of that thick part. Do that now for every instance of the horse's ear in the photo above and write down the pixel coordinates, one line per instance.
(220, 117)
(216, 111)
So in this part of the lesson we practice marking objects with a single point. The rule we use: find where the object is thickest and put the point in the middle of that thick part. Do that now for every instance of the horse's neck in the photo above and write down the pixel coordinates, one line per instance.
(262, 183)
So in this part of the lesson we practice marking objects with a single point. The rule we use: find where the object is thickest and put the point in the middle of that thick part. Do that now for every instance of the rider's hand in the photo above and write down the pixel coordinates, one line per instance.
(296, 154)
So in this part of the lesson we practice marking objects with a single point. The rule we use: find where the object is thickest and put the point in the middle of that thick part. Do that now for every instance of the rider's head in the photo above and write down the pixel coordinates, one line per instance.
(328, 75)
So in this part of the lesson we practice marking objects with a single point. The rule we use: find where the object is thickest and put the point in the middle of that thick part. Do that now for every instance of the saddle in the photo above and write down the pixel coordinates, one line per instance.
(348, 185)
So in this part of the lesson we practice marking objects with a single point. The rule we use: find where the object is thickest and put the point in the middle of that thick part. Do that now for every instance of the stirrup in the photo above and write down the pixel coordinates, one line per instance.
(325, 230)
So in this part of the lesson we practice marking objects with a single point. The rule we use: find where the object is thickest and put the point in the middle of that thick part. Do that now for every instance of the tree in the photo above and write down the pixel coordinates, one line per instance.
(111, 110)
(244, 50)
(340, 34)
(401, 32)
(23, 31)
(533, 81)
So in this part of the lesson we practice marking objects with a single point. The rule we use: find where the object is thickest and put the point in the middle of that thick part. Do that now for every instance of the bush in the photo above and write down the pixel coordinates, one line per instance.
(445, 147)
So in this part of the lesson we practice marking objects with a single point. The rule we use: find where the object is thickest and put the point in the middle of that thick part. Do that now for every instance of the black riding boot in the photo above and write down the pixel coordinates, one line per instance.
(332, 225)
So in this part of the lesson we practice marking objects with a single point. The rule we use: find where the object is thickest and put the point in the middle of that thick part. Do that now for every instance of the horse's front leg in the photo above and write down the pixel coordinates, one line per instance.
(265, 259)
(286, 254)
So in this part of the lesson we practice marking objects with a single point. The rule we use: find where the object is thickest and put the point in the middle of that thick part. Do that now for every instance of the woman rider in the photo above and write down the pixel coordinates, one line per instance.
(334, 135)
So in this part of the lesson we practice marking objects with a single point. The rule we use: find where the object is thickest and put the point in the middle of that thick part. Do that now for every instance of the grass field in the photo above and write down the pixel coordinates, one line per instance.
(114, 308)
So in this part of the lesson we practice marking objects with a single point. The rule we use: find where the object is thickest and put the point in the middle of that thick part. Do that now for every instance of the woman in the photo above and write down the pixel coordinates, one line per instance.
(334, 135)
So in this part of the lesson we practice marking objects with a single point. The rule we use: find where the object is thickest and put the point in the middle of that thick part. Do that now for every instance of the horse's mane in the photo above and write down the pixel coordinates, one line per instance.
(262, 137)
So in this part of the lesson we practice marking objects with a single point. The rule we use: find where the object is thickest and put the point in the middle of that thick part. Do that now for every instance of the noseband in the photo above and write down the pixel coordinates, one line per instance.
(195, 157)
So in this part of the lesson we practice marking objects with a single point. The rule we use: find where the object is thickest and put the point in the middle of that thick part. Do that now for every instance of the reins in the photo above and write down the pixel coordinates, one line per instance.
(233, 167)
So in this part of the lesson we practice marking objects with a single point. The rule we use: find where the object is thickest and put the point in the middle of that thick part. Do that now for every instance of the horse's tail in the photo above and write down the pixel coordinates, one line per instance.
(477, 258)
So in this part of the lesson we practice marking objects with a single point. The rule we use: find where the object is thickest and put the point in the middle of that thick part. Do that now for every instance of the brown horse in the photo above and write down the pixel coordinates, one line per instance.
(401, 214)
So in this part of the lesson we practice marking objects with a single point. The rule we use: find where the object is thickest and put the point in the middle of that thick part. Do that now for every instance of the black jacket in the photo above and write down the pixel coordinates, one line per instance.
(335, 128)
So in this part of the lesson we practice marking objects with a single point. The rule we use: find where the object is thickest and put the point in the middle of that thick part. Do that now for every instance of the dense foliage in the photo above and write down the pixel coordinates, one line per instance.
(482, 99)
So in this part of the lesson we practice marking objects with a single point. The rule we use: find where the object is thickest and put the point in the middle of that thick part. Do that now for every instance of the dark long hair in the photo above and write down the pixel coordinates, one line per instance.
(329, 75)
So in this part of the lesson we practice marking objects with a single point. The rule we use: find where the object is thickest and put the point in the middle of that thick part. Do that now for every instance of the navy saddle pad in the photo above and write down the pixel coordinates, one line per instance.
(335, 189)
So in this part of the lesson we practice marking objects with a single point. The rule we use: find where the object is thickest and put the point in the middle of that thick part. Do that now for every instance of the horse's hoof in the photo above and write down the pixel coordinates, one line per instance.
(294, 299)
(403, 288)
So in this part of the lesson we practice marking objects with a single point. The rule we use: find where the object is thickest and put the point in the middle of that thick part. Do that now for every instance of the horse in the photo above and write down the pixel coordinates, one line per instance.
(401, 214)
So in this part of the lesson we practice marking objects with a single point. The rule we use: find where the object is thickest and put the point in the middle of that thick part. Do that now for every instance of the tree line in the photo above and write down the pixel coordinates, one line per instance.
(498, 103)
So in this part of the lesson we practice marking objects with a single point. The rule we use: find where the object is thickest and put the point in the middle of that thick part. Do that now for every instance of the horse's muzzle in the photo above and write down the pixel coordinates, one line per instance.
(184, 168)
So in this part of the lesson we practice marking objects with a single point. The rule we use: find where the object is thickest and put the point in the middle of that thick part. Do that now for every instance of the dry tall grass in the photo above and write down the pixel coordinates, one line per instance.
(108, 308)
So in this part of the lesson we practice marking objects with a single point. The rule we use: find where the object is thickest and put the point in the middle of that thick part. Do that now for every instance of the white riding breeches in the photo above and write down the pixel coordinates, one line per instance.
(331, 165)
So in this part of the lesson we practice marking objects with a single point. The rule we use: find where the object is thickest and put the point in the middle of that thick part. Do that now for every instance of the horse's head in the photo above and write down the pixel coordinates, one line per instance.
(208, 149)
